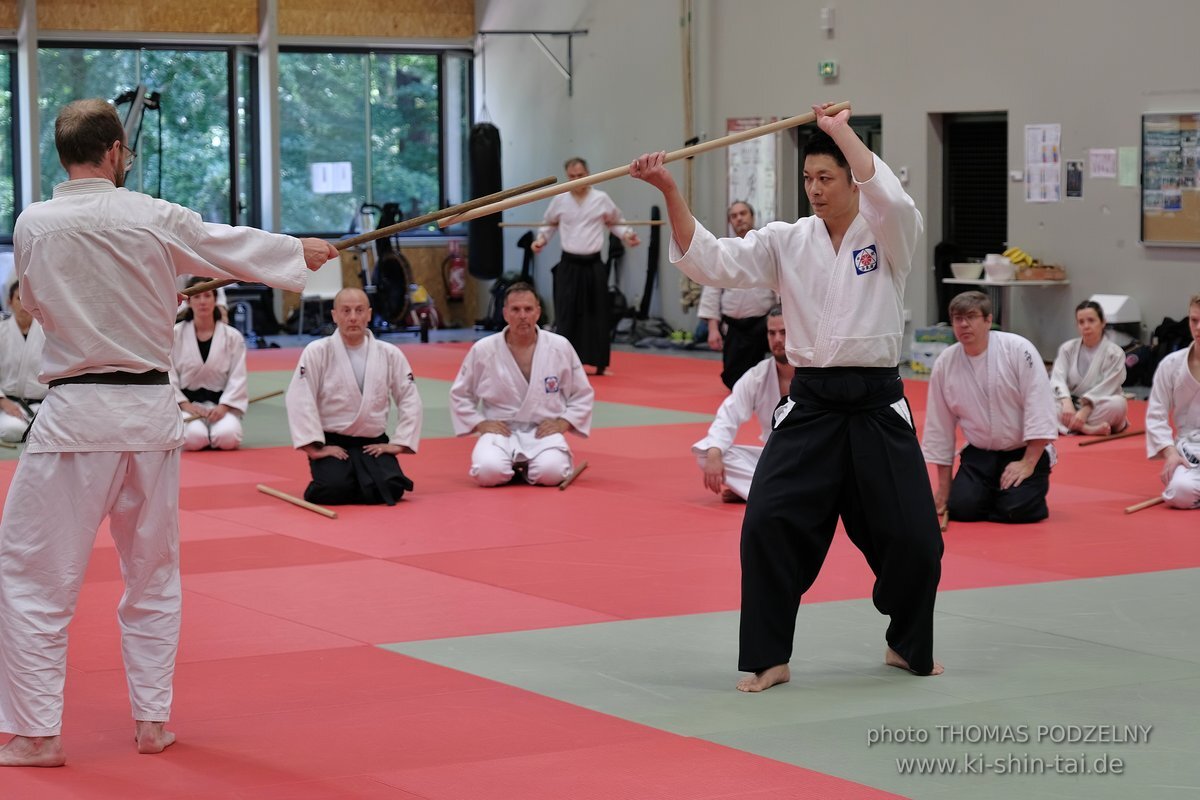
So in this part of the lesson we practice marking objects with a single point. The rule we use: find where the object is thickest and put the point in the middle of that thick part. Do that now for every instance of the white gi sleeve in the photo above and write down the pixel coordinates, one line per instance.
(1058, 376)
(464, 402)
(731, 263)
(304, 415)
(1158, 412)
(735, 411)
(1040, 421)
(892, 216)
(579, 396)
(235, 395)
(710, 303)
(938, 442)
(404, 392)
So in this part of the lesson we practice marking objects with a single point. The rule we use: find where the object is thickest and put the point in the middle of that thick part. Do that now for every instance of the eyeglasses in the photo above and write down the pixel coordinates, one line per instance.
(130, 156)
(961, 319)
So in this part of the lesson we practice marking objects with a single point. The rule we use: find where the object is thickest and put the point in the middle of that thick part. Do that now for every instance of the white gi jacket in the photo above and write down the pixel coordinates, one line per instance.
(21, 360)
(735, 303)
(105, 296)
(324, 394)
(755, 394)
(1175, 394)
(584, 225)
(844, 309)
(557, 386)
(1101, 386)
(1015, 407)
(224, 371)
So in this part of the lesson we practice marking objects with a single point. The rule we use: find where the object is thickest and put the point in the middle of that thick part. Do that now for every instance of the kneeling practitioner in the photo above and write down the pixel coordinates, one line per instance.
(994, 387)
(21, 393)
(338, 403)
(1176, 396)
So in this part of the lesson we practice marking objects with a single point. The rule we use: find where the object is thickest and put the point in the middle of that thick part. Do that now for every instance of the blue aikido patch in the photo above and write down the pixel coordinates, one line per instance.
(551, 384)
(866, 260)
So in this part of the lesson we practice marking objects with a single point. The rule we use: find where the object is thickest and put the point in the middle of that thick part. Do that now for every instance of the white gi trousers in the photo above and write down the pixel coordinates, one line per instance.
(740, 461)
(12, 429)
(547, 460)
(54, 507)
(1183, 490)
(224, 434)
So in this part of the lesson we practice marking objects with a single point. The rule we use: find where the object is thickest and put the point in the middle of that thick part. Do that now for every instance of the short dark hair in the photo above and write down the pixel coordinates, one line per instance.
(749, 207)
(521, 286)
(1093, 305)
(822, 144)
(967, 302)
(12, 290)
(85, 130)
(574, 160)
(776, 311)
(188, 314)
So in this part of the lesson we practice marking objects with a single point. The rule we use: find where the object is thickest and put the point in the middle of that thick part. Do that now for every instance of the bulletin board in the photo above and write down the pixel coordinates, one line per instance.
(1170, 194)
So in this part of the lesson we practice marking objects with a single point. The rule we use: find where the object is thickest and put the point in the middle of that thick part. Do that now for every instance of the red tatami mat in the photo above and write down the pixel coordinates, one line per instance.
(280, 693)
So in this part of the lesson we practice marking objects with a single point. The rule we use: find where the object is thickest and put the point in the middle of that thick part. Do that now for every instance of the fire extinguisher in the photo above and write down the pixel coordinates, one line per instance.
(454, 273)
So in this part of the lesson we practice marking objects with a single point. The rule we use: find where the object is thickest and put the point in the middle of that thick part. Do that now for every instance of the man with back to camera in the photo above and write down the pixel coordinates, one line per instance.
(98, 267)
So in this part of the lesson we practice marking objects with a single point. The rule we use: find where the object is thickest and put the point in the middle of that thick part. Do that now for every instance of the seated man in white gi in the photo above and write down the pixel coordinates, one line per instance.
(532, 389)
(1176, 395)
(21, 342)
(728, 468)
(338, 403)
(994, 386)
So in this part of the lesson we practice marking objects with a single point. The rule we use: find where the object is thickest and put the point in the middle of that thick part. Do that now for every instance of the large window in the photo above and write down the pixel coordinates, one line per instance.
(184, 146)
(8, 194)
(358, 128)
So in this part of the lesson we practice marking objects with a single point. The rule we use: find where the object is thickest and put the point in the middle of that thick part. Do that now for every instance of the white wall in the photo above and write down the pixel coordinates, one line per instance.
(625, 101)
(1093, 66)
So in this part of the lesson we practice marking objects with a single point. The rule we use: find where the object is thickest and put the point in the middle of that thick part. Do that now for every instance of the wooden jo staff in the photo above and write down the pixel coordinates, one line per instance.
(618, 172)
(1111, 436)
(574, 474)
(296, 501)
(399, 227)
(637, 222)
(1153, 501)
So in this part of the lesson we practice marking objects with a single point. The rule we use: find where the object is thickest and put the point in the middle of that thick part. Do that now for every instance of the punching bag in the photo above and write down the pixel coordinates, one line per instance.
(486, 239)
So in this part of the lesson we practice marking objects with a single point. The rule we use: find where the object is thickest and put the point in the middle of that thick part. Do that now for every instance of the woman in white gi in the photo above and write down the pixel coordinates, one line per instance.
(521, 389)
(843, 443)
(21, 393)
(1087, 378)
(581, 304)
(208, 371)
(1176, 396)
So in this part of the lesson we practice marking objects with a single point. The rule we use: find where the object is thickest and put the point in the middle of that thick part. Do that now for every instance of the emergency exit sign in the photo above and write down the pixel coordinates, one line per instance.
(827, 69)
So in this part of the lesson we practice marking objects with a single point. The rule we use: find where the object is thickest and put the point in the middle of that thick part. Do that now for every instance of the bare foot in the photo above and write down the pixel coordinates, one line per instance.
(152, 737)
(1099, 429)
(730, 496)
(894, 659)
(33, 751)
(761, 681)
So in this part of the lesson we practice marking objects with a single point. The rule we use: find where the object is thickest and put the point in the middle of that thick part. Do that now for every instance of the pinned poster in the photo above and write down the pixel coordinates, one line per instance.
(331, 177)
(1043, 163)
(751, 168)
(1102, 163)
